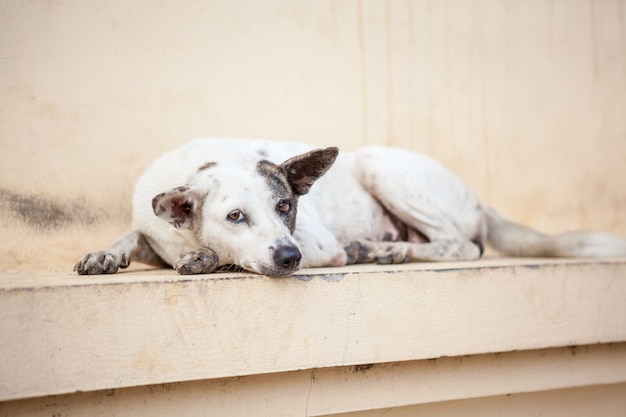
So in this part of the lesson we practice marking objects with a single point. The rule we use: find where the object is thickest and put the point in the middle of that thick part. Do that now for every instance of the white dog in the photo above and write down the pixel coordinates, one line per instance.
(223, 202)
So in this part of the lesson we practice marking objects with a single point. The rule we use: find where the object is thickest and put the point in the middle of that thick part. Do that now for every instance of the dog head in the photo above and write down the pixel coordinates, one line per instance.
(246, 213)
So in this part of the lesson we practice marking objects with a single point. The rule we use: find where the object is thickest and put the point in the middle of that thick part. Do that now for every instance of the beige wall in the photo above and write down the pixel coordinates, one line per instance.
(526, 100)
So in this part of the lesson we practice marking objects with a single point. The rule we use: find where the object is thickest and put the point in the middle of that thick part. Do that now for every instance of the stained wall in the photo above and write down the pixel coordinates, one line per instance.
(525, 100)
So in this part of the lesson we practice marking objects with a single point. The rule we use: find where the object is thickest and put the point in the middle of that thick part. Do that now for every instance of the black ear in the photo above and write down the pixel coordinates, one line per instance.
(178, 207)
(303, 170)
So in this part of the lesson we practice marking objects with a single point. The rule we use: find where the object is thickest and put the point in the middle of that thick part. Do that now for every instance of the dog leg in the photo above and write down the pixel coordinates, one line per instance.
(200, 261)
(427, 198)
(318, 245)
(400, 252)
(130, 246)
(184, 253)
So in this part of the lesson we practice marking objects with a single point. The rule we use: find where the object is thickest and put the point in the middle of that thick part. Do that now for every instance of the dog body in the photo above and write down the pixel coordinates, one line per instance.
(216, 202)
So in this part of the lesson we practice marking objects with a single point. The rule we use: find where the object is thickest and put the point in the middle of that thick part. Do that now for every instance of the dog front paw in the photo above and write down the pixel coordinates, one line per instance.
(101, 262)
(201, 261)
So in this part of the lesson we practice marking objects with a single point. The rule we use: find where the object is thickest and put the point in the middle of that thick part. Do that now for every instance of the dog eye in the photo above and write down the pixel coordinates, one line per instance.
(283, 207)
(236, 216)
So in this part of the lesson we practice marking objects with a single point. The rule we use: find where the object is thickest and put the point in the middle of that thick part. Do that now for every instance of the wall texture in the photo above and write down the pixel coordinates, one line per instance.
(525, 100)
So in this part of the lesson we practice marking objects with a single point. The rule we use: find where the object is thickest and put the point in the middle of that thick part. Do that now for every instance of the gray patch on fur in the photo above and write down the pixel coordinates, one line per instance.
(178, 207)
(277, 182)
(207, 166)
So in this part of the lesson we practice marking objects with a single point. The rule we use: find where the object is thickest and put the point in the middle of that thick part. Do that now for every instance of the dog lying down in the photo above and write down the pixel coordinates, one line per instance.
(219, 203)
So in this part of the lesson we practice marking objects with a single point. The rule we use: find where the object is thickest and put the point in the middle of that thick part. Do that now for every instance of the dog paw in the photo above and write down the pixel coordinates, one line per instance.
(379, 252)
(390, 254)
(357, 253)
(100, 262)
(201, 261)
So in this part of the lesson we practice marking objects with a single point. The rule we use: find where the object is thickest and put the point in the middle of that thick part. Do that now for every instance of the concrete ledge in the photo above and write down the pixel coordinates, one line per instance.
(594, 375)
(64, 333)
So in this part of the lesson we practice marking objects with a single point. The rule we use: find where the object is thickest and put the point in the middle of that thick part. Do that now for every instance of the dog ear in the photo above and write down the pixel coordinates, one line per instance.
(178, 207)
(303, 170)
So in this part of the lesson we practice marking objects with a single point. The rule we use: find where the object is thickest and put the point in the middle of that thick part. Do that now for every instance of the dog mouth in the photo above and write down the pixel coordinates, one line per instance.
(285, 260)
(269, 271)
(232, 268)
(273, 270)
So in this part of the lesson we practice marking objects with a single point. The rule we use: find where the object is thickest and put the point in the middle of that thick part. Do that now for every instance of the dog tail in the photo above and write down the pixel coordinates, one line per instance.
(514, 239)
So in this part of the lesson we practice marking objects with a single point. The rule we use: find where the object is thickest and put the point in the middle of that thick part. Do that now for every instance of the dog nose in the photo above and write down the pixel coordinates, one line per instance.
(287, 257)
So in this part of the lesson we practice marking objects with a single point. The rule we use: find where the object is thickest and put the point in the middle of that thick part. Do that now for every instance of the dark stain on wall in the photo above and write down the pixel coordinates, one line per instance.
(43, 212)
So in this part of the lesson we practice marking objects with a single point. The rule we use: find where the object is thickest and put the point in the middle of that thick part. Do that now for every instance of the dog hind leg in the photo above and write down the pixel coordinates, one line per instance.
(364, 251)
(426, 197)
